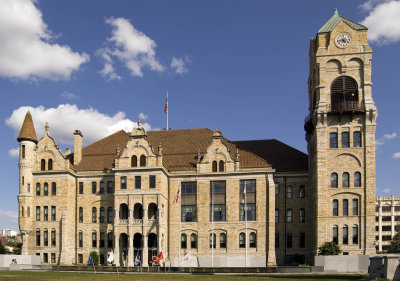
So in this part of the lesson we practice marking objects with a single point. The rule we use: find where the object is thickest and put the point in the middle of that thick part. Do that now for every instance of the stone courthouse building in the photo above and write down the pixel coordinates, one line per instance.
(119, 194)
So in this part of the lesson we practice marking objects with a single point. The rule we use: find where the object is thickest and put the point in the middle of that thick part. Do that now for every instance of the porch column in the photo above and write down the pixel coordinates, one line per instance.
(116, 250)
(145, 251)
(130, 251)
(271, 258)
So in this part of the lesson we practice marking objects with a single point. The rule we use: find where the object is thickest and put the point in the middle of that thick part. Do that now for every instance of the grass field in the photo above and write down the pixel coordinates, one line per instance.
(69, 276)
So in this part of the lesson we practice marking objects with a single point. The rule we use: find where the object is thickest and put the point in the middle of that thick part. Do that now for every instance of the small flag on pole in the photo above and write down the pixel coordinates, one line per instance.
(186, 258)
(157, 258)
(90, 259)
(137, 259)
(178, 194)
(166, 106)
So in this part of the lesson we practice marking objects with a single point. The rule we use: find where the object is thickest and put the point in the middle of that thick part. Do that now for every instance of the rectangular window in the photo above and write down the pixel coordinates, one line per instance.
(345, 235)
(80, 258)
(386, 228)
(29, 187)
(335, 235)
(46, 189)
(138, 182)
(45, 238)
(397, 208)
(94, 187)
(45, 258)
(289, 192)
(333, 142)
(345, 207)
(289, 215)
(45, 213)
(355, 234)
(355, 207)
(102, 187)
(23, 151)
(81, 188)
(302, 215)
(386, 208)
(335, 207)
(80, 214)
(387, 218)
(276, 239)
(37, 237)
(152, 181)
(277, 188)
(345, 140)
(53, 213)
(302, 192)
(302, 240)
(53, 237)
(357, 139)
(102, 239)
(247, 197)
(109, 187)
(94, 239)
(123, 182)
(80, 239)
(218, 201)
(29, 212)
(109, 240)
(289, 243)
(38, 189)
(53, 258)
(276, 215)
(23, 180)
(37, 213)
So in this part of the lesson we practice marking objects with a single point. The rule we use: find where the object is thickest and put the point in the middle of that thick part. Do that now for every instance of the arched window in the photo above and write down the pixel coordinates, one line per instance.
(193, 241)
(123, 211)
(53, 237)
(80, 214)
(344, 93)
(183, 241)
(345, 235)
(221, 166)
(345, 179)
(43, 165)
(214, 166)
(142, 161)
(335, 207)
(134, 161)
(110, 215)
(334, 180)
(335, 234)
(53, 189)
(345, 139)
(50, 165)
(333, 142)
(94, 239)
(222, 240)
(38, 189)
(253, 240)
(102, 215)
(212, 240)
(46, 189)
(355, 234)
(152, 212)
(357, 179)
(94, 214)
(80, 238)
(137, 211)
(242, 240)
(45, 237)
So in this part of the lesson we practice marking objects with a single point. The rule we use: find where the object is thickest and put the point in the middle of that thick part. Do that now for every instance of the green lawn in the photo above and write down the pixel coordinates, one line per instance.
(68, 276)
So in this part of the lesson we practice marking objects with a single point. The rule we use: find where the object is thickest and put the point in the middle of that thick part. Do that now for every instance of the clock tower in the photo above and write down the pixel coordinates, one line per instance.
(340, 132)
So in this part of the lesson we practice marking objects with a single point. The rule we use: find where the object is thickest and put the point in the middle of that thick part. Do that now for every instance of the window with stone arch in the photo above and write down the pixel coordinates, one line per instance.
(357, 179)
(214, 166)
(221, 166)
(43, 165)
(193, 241)
(345, 180)
(334, 180)
(183, 241)
(222, 240)
(344, 93)
(142, 161)
(242, 240)
(134, 161)
(50, 165)
(253, 240)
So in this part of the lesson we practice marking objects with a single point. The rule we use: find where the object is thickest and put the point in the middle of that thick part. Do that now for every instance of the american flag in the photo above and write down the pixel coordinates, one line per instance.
(178, 194)
(166, 106)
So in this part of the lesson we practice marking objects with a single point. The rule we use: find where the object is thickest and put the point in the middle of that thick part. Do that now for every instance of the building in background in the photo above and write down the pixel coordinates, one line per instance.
(8, 232)
(387, 217)
(227, 203)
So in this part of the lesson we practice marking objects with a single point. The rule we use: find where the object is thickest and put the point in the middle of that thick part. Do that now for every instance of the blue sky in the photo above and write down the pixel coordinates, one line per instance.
(241, 66)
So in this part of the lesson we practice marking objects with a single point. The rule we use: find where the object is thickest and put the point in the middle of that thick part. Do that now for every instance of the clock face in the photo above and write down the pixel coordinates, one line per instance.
(343, 39)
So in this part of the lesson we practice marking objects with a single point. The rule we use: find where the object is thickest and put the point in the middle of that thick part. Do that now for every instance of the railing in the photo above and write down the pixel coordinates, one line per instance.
(123, 221)
(348, 106)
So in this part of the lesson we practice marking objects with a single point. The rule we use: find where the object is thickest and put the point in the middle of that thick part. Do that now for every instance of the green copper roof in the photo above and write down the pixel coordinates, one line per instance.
(335, 19)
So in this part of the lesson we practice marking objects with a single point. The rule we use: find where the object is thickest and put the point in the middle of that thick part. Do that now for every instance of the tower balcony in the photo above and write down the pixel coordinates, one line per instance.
(347, 106)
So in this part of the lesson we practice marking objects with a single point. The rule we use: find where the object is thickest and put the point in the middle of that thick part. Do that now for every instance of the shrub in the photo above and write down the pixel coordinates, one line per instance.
(95, 258)
(329, 249)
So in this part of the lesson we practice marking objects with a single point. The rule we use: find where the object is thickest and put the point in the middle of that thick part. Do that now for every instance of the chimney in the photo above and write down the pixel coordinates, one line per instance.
(77, 147)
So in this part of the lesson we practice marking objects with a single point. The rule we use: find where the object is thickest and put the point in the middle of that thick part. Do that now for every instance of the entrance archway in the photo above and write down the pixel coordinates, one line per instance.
(124, 248)
(152, 246)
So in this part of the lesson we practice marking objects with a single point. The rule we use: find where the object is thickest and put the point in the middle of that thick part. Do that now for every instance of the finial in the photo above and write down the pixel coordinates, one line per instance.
(159, 149)
(138, 123)
(46, 128)
(217, 133)
(336, 12)
(117, 151)
(237, 154)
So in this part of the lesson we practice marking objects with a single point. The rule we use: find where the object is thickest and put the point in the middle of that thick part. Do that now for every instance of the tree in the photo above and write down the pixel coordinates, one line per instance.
(394, 246)
(329, 249)
(95, 258)
(2, 249)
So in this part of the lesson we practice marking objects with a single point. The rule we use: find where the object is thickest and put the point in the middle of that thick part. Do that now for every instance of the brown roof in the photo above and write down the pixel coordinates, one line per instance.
(282, 157)
(27, 130)
(179, 149)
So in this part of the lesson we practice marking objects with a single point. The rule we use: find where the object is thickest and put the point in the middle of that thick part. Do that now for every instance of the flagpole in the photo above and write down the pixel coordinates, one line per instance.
(245, 217)
(180, 216)
(167, 115)
(212, 224)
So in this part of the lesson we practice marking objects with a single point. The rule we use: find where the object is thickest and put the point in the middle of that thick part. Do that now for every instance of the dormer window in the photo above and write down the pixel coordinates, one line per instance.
(142, 161)
(214, 166)
(43, 165)
(134, 161)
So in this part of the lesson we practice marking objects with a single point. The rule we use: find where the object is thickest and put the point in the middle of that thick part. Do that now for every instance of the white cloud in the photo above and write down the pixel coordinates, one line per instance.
(132, 47)
(13, 153)
(25, 50)
(143, 116)
(66, 118)
(179, 65)
(8, 214)
(384, 138)
(383, 21)
(396, 155)
(69, 96)
(386, 190)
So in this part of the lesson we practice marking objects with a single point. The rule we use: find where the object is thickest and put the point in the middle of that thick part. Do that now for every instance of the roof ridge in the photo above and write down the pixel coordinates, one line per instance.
(336, 19)
(106, 138)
